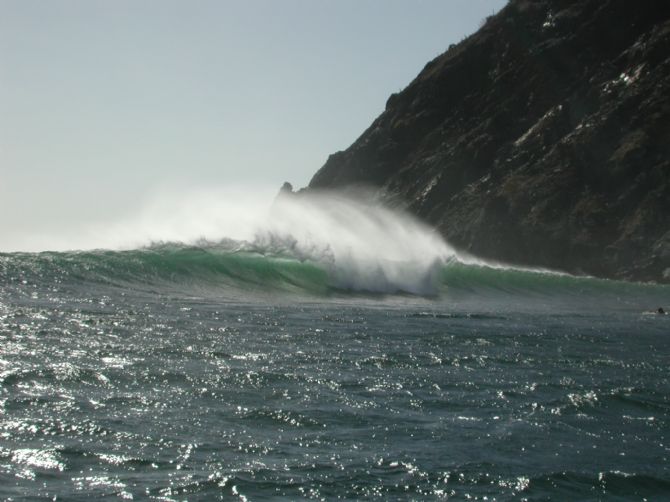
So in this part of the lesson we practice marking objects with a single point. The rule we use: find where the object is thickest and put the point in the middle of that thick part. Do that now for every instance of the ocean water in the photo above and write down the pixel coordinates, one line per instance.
(282, 369)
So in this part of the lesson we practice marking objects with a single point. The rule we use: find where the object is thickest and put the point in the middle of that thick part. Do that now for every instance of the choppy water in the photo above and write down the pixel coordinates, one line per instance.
(195, 374)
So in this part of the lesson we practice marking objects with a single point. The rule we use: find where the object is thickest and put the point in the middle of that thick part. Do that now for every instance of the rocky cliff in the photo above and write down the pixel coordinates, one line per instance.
(543, 139)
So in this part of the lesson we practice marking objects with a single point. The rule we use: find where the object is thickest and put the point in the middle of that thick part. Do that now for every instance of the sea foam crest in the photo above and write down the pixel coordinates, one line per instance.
(363, 245)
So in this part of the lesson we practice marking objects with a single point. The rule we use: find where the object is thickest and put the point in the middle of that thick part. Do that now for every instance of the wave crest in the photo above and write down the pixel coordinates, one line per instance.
(364, 246)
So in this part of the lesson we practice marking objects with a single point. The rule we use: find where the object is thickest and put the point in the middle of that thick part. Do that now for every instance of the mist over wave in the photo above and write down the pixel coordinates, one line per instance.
(168, 214)
(310, 242)
(365, 246)
(360, 244)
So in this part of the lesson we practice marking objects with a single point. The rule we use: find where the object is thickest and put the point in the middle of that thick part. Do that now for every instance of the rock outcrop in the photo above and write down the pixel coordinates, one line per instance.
(543, 139)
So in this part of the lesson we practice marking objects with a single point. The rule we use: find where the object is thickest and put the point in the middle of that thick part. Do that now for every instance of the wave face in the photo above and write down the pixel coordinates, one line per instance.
(168, 266)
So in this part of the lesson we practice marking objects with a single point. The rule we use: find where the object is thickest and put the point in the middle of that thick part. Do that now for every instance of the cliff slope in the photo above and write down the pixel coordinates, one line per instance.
(543, 139)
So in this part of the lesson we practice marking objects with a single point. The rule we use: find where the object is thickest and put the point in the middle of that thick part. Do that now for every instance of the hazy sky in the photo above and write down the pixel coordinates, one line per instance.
(103, 103)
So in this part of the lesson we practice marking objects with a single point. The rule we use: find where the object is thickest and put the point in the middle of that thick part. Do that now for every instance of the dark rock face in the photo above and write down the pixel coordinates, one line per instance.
(543, 139)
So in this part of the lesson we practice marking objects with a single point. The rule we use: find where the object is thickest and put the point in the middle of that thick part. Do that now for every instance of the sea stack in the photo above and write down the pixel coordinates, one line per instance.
(543, 139)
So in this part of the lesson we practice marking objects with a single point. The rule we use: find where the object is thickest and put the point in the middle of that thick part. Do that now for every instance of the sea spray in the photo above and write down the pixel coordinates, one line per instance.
(360, 244)
(364, 245)
(241, 240)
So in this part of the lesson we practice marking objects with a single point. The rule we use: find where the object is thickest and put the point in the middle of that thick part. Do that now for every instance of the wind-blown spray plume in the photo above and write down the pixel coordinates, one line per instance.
(364, 246)
(356, 244)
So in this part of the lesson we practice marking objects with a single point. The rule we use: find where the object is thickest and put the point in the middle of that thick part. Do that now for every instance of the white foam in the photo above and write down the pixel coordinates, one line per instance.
(41, 459)
(364, 245)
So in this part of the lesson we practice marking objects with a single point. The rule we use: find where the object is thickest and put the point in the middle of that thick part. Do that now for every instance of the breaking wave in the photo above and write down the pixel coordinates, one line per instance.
(317, 244)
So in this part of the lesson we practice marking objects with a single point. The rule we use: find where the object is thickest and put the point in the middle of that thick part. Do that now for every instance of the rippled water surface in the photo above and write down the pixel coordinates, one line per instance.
(110, 391)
